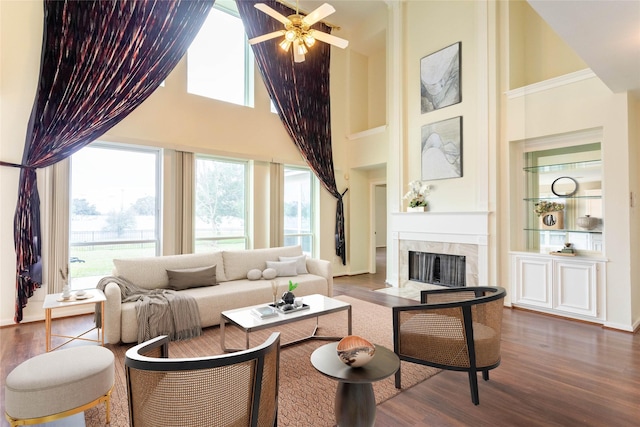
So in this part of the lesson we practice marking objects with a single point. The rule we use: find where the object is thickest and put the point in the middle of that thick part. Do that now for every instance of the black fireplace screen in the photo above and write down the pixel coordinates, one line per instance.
(437, 269)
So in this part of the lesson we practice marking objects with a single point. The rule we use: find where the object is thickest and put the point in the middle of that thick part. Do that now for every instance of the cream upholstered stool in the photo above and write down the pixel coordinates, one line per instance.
(58, 384)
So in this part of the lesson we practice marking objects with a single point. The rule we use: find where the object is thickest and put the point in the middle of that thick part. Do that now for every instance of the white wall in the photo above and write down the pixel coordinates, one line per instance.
(432, 26)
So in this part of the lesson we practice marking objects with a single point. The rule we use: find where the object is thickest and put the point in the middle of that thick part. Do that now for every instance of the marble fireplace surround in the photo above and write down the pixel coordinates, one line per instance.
(453, 233)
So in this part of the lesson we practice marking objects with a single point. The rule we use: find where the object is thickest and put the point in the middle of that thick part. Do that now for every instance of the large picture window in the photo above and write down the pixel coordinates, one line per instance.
(114, 212)
(298, 208)
(220, 204)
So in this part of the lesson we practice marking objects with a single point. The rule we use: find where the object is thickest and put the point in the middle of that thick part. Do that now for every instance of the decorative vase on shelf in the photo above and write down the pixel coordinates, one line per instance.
(587, 222)
(552, 220)
(417, 209)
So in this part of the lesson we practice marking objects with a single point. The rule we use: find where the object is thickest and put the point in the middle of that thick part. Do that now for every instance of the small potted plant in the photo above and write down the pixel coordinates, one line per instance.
(550, 214)
(288, 297)
(417, 196)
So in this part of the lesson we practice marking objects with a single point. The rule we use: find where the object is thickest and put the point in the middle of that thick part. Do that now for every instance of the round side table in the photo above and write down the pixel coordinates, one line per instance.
(355, 404)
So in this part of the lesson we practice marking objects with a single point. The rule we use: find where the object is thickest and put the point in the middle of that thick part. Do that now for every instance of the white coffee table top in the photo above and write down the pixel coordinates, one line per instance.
(318, 305)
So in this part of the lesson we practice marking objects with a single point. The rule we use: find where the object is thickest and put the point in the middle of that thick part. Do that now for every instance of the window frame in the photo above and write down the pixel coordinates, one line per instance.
(158, 218)
(229, 7)
(313, 205)
(247, 201)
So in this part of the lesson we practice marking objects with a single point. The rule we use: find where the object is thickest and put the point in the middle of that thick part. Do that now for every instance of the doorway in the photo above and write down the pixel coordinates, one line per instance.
(378, 225)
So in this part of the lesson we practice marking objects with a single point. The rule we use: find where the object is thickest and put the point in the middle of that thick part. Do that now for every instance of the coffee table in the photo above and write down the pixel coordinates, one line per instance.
(319, 305)
(355, 404)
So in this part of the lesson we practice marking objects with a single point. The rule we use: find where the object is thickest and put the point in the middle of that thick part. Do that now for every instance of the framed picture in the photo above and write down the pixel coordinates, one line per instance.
(441, 145)
(440, 78)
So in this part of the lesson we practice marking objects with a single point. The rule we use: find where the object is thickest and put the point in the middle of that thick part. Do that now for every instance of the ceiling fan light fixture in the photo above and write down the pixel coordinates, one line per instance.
(297, 30)
(285, 44)
(309, 40)
(290, 35)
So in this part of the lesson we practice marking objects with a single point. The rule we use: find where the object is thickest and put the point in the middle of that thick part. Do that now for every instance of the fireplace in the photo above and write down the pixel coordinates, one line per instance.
(460, 234)
(437, 269)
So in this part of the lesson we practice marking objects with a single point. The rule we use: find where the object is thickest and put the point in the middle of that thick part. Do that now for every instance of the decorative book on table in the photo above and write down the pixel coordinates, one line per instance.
(264, 312)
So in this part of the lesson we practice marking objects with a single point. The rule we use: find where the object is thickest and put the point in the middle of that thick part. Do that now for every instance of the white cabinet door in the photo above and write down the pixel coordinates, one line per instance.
(576, 287)
(533, 278)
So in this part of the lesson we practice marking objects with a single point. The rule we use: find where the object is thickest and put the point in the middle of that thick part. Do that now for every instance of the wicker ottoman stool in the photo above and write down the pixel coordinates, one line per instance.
(55, 385)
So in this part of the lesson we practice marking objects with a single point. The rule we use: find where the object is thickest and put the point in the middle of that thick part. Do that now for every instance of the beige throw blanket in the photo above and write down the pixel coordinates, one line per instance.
(159, 311)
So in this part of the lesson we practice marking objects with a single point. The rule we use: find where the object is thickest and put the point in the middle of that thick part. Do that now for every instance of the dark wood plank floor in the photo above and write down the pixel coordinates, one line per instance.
(554, 372)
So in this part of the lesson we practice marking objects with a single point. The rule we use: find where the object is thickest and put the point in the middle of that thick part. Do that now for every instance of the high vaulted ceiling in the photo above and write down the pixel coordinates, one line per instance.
(604, 33)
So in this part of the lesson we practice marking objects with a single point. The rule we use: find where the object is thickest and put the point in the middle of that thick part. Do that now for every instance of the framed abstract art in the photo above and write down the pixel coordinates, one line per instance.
(441, 149)
(440, 79)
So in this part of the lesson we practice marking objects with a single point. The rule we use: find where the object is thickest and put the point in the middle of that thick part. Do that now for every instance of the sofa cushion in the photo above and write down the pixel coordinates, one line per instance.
(269, 273)
(283, 268)
(238, 263)
(151, 272)
(254, 274)
(301, 262)
(186, 278)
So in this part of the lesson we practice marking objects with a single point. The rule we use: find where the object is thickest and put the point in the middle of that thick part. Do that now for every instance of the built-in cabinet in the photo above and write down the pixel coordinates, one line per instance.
(571, 287)
(558, 186)
(563, 199)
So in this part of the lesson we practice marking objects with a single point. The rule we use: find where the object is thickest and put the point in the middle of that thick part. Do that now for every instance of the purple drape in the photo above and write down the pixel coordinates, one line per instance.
(100, 60)
(300, 92)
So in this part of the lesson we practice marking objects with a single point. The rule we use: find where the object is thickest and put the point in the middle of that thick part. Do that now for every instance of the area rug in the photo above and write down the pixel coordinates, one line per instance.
(306, 397)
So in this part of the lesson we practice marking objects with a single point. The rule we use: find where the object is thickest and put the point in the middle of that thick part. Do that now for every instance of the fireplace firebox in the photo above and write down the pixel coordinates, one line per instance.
(437, 269)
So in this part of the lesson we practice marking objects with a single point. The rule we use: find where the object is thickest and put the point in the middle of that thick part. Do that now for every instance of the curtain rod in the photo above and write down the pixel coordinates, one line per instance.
(293, 7)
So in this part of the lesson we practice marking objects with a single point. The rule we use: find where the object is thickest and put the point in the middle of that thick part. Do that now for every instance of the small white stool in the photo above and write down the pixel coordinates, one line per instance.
(55, 385)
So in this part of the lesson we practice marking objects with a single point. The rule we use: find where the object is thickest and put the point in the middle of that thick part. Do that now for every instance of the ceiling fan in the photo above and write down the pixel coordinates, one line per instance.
(297, 31)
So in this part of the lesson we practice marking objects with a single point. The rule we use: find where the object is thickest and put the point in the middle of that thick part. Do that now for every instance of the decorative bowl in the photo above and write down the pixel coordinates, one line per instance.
(587, 222)
(355, 351)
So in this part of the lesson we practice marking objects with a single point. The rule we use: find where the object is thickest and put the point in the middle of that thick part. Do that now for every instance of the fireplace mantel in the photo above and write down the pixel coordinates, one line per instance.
(452, 231)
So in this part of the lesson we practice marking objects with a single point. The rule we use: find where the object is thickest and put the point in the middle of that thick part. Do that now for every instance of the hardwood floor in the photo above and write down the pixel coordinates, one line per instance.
(554, 372)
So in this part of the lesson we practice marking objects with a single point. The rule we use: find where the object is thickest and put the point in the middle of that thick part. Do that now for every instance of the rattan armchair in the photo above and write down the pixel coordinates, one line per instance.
(457, 329)
(236, 389)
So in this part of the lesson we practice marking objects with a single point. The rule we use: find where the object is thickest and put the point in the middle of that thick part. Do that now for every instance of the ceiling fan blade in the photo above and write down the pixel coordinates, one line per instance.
(266, 37)
(328, 38)
(272, 13)
(318, 14)
(297, 55)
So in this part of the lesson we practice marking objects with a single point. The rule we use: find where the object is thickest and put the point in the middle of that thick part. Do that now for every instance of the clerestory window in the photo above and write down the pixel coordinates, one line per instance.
(220, 61)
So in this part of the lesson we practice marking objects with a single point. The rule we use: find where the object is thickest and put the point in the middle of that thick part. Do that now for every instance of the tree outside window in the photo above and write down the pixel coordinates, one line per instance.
(220, 204)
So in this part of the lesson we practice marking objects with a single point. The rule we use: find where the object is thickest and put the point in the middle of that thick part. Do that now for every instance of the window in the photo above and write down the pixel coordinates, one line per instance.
(220, 204)
(219, 61)
(299, 204)
(114, 212)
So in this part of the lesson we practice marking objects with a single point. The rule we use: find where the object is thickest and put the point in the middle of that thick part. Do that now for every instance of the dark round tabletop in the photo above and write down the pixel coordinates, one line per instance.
(384, 363)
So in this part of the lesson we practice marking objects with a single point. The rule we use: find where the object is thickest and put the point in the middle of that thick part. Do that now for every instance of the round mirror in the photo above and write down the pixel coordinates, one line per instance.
(565, 186)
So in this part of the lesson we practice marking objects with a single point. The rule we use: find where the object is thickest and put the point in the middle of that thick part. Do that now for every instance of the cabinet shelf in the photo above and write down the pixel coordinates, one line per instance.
(562, 167)
(564, 230)
(537, 199)
(571, 176)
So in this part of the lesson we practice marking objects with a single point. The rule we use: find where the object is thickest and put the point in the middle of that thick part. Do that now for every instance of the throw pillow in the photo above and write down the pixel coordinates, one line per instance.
(191, 278)
(269, 273)
(301, 262)
(254, 274)
(283, 268)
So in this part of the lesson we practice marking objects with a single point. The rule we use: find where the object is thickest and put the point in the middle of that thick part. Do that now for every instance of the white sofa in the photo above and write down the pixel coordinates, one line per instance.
(232, 290)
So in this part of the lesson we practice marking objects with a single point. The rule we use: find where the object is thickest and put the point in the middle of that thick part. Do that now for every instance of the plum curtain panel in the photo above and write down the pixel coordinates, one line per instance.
(300, 92)
(100, 60)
